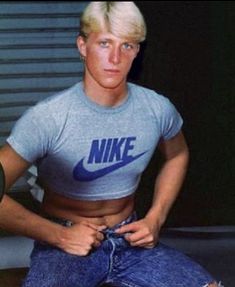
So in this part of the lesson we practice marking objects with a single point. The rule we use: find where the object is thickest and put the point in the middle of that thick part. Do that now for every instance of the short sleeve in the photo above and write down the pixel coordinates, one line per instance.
(170, 121)
(30, 137)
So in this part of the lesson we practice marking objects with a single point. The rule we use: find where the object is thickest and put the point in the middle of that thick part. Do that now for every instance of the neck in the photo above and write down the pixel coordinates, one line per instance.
(109, 97)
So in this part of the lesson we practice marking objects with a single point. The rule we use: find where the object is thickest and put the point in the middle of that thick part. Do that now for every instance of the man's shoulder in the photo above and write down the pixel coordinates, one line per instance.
(53, 109)
(61, 99)
(146, 94)
(140, 88)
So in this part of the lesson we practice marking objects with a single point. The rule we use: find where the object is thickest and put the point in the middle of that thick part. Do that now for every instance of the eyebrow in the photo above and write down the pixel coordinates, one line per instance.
(105, 39)
(111, 40)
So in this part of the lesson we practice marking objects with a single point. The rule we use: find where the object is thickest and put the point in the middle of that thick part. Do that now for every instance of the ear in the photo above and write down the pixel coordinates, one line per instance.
(81, 44)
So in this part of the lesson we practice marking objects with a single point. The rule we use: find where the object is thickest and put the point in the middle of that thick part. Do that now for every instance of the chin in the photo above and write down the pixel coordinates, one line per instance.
(111, 84)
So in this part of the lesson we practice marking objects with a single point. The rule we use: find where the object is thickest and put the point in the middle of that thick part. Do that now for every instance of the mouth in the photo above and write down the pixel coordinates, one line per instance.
(112, 71)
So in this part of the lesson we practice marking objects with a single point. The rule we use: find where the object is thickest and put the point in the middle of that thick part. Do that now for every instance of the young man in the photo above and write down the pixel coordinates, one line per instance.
(91, 143)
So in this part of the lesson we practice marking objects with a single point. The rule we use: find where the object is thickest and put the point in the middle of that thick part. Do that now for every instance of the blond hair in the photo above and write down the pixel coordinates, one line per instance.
(122, 19)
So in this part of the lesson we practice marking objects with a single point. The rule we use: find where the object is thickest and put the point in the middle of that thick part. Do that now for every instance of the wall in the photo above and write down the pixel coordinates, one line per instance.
(189, 58)
(38, 56)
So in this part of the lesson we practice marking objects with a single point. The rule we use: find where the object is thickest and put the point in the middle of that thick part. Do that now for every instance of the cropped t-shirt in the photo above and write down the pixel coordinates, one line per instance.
(91, 152)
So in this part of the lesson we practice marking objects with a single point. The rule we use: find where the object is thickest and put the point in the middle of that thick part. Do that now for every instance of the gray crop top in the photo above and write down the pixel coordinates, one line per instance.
(90, 152)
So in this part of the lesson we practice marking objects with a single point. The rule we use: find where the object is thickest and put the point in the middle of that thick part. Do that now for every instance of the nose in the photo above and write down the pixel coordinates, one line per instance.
(115, 56)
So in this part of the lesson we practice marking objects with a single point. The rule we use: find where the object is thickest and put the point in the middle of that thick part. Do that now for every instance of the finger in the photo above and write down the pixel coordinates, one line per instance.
(146, 246)
(96, 227)
(136, 236)
(78, 250)
(131, 227)
(85, 251)
(144, 242)
(100, 236)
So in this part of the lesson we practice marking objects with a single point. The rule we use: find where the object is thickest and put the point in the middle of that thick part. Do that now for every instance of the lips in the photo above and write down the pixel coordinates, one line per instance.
(112, 71)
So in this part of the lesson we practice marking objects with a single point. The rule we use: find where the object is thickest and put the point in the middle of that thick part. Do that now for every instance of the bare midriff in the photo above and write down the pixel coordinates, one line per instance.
(100, 212)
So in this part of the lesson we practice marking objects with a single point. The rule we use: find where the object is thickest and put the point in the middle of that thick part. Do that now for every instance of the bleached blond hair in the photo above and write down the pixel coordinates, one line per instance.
(122, 19)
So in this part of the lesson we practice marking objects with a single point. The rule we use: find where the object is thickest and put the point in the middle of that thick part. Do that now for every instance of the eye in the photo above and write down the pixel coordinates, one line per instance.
(104, 44)
(128, 46)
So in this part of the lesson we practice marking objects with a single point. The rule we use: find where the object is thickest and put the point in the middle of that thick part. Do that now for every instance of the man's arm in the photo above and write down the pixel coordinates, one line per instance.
(167, 186)
(170, 178)
(17, 219)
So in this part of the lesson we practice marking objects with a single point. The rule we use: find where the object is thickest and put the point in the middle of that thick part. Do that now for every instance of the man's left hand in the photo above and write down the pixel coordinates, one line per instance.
(141, 233)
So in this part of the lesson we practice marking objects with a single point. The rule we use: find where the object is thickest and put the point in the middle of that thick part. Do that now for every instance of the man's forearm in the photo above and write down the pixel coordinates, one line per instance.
(16, 219)
(78, 239)
(167, 186)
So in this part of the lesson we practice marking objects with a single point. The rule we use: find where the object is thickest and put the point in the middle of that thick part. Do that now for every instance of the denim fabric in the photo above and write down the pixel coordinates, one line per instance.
(114, 262)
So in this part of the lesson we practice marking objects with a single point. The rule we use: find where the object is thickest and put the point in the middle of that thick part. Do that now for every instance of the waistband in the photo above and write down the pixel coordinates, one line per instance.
(108, 231)
(111, 230)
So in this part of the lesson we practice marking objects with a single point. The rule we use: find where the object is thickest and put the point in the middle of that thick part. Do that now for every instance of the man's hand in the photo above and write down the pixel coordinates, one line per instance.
(80, 238)
(141, 233)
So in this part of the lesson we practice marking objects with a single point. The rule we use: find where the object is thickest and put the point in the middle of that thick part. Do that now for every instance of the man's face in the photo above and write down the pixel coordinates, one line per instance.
(108, 58)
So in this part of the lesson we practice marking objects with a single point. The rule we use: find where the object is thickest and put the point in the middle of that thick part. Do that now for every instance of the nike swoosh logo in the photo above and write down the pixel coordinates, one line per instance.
(80, 173)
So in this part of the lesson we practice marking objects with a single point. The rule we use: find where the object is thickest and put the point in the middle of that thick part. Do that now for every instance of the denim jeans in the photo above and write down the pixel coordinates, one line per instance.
(114, 262)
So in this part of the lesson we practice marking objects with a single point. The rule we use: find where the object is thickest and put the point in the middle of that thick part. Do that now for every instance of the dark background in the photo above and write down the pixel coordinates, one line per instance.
(188, 57)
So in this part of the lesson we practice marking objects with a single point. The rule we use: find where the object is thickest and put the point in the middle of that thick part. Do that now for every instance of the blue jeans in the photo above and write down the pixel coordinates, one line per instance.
(114, 262)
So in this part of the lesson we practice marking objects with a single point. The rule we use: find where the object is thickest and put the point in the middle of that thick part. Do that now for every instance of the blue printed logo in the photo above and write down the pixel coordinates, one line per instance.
(111, 150)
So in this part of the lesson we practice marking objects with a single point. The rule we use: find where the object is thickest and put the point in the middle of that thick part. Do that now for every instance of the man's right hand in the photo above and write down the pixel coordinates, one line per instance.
(81, 237)
(78, 239)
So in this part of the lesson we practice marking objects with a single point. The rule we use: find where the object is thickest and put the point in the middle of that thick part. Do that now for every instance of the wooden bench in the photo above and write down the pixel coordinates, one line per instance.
(12, 277)
(15, 277)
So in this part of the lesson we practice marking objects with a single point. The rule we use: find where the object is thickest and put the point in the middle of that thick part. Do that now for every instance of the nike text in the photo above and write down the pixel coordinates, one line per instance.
(111, 149)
